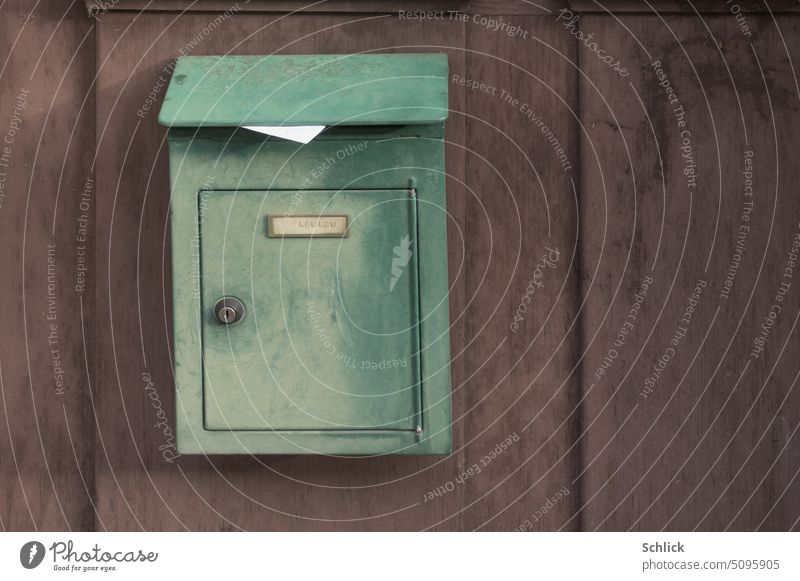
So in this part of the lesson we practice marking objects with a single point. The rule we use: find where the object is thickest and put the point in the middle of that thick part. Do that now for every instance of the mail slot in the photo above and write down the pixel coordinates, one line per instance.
(309, 257)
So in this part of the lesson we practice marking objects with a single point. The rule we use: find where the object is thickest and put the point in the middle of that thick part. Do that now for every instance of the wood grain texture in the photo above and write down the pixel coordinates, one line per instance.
(99, 7)
(521, 207)
(683, 6)
(136, 486)
(519, 7)
(706, 442)
(713, 446)
(46, 442)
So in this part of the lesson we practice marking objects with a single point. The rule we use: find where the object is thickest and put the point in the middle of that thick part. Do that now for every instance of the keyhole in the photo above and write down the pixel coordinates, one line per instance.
(227, 314)
(229, 310)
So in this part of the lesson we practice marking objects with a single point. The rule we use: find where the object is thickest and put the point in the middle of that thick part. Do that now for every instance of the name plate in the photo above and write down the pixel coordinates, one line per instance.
(304, 226)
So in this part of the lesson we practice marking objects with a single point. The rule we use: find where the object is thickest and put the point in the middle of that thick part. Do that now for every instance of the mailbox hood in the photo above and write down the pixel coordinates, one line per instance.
(300, 90)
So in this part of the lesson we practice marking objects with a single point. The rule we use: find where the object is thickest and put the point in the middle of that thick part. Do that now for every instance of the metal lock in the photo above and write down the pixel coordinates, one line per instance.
(229, 310)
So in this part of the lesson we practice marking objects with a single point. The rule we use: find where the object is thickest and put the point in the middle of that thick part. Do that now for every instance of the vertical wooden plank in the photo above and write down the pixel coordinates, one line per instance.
(685, 248)
(139, 483)
(521, 268)
(46, 122)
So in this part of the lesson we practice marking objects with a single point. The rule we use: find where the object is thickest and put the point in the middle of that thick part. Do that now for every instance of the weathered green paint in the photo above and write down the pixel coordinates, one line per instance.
(334, 347)
(296, 374)
(362, 89)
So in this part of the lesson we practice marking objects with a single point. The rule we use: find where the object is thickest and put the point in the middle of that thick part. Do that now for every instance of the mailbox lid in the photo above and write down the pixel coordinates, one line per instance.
(372, 89)
(330, 339)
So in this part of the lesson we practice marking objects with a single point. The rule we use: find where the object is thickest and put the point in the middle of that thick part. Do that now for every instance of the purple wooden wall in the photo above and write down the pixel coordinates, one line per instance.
(670, 167)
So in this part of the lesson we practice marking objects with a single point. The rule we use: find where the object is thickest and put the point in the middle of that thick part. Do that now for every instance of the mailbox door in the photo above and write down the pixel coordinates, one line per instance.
(329, 339)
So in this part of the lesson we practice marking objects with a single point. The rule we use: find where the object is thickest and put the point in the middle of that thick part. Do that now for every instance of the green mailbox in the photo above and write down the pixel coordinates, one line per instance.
(309, 267)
